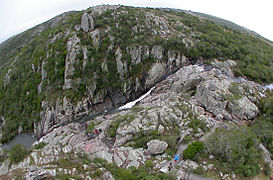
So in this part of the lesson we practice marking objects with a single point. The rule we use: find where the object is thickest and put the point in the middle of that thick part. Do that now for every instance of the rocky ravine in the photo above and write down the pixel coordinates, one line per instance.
(62, 110)
(205, 92)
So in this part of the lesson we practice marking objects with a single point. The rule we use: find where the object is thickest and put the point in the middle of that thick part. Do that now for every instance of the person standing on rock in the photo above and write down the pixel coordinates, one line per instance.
(96, 131)
(176, 158)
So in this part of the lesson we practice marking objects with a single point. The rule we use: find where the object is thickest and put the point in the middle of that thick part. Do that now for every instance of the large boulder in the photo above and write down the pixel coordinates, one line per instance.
(87, 22)
(156, 146)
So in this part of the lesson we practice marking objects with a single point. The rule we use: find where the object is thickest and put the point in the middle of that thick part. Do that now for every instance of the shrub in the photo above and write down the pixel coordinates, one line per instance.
(234, 89)
(187, 139)
(112, 129)
(17, 153)
(237, 147)
(149, 164)
(196, 123)
(263, 129)
(40, 145)
(170, 151)
(62, 176)
(64, 162)
(135, 173)
(194, 148)
(84, 157)
(90, 127)
(171, 140)
(100, 161)
(200, 171)
(263, 125)
(267, 170)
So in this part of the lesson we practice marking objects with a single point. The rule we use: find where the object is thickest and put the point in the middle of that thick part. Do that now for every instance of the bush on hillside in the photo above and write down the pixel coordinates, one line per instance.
(263, 125)
(17, 153)
(40, 145)
(133, 173)
(194, 148)
(236, 147)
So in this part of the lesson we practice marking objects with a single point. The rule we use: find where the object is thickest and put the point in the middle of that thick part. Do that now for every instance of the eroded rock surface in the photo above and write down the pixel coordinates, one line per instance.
(156, 146)
(201, 91)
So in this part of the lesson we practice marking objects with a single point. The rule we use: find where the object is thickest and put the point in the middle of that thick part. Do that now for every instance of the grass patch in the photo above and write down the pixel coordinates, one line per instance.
(40, 145)
(196, 123)
(143, 172)
(234, 89)
(112, 128)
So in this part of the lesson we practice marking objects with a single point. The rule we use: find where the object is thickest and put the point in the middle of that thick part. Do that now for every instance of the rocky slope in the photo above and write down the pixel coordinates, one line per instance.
(194, 93)
(85, 62)
(80, 64)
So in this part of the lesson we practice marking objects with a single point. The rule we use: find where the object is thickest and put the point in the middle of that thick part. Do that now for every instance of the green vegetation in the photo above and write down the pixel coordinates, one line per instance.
(200, 171)
(141, 139)
(4, 156)
(17, 153)
(191, 151)
(62, 176)
(149, 164)
(234, 89)
(27, 53)
(196, 123)
(236, 149)
(263, 125)
(91, 127)
(40, 145)
(112, 129)
(267, 170)
(254, 55)
(133, 173)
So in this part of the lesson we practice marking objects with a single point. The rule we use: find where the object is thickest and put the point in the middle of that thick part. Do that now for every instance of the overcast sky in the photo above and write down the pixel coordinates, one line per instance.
(19, 15)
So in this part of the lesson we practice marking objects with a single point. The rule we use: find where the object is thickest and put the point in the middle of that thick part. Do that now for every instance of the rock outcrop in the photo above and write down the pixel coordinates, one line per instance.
(219, 92)
(72, 50)
(99, 101)
(166, 110)
(156, 146)
(7, 78)
(87, 22)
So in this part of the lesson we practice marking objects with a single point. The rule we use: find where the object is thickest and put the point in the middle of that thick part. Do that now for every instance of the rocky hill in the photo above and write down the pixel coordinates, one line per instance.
(59, 77)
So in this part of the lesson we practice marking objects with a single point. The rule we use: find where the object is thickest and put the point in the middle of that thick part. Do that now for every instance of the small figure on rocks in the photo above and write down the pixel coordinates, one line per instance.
(176, 158)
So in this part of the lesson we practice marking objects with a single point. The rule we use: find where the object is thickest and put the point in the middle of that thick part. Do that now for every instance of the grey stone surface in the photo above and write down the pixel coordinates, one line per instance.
(156, 146)
(72, 49)
(87, 22)
(4, 167)
(7, 78)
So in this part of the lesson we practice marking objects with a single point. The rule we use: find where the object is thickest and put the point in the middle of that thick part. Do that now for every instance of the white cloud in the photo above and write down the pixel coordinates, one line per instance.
(19, 15)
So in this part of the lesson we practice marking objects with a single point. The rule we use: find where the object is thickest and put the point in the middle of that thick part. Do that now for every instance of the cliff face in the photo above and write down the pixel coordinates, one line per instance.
(85, 62)
(187, 106)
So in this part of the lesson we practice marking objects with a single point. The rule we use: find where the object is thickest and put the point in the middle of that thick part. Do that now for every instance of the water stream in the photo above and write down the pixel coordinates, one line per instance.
(270, 86)
(28, 139)
(25, 139)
